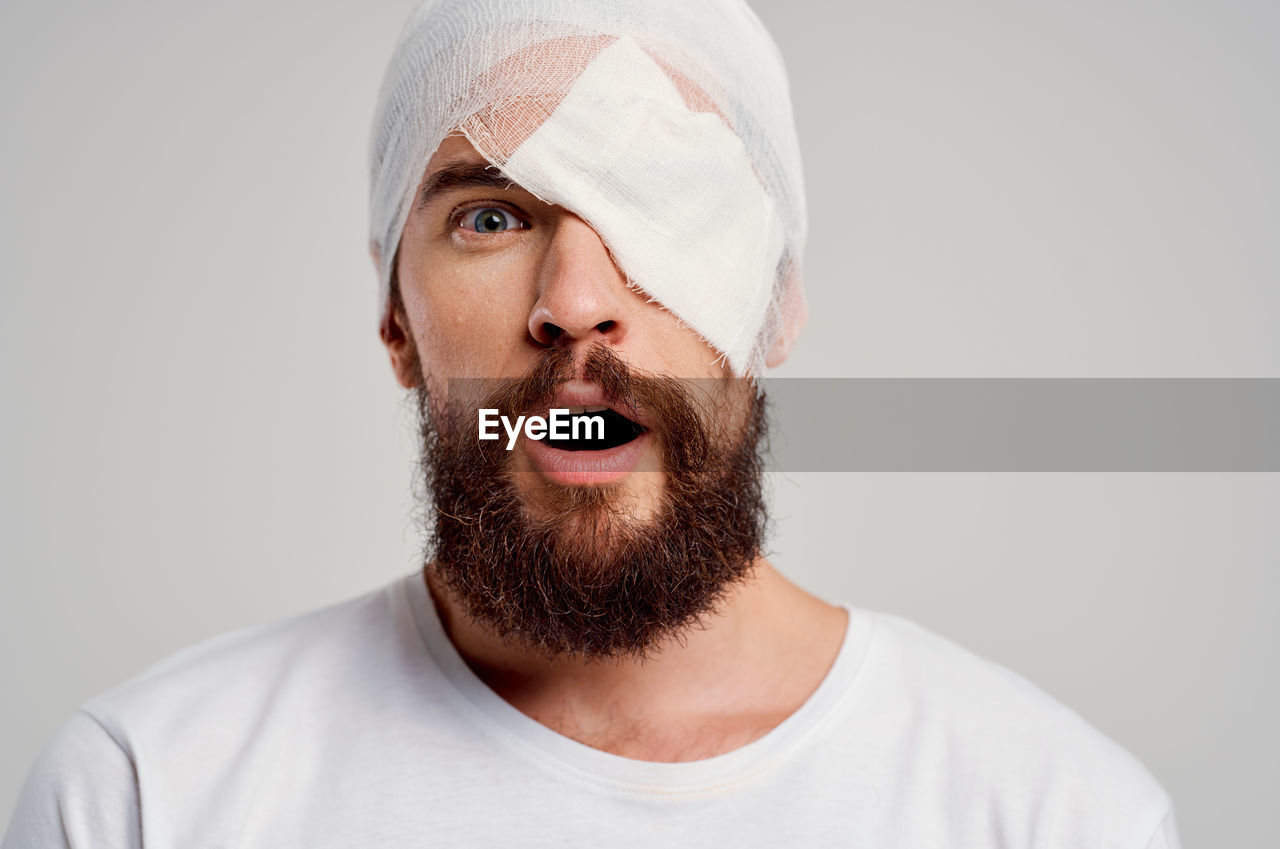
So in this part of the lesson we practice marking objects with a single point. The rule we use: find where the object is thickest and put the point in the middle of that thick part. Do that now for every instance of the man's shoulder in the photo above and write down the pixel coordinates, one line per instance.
(980, 702)
(967, 719)
(196, 741)
(236, 675)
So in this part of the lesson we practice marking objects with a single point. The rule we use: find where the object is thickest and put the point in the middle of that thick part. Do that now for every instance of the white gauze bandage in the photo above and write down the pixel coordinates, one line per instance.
(665, 126)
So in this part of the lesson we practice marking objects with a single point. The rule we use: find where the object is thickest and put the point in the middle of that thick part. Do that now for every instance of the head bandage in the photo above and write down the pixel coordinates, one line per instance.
(664, 125)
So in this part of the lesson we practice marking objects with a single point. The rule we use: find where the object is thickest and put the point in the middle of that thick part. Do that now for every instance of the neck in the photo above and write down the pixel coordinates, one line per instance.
(717, 686)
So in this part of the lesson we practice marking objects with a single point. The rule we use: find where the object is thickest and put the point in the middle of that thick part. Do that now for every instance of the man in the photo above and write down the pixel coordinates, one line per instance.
(595, 209)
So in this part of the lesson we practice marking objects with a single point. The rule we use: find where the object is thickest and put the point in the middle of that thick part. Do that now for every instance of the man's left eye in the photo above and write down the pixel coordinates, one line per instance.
(491, 220)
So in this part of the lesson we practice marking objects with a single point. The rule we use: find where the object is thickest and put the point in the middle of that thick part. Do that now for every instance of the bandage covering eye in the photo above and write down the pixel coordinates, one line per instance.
(664, 125)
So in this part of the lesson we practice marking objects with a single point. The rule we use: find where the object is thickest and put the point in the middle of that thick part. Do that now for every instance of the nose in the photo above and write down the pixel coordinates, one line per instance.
(580, 289)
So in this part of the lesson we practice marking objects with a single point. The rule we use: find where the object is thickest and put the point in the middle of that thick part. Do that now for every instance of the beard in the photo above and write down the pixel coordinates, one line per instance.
(578, 573)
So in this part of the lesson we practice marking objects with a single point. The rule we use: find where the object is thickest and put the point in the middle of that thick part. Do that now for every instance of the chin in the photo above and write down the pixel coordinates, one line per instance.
(636, 500)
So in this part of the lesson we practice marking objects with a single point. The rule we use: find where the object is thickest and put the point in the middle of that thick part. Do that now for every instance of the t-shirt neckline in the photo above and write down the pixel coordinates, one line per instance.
(550, 748)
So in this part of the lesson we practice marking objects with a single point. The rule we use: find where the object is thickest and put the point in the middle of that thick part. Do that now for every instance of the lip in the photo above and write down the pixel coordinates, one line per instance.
(584, 393)
(587, 468)
(579, 468)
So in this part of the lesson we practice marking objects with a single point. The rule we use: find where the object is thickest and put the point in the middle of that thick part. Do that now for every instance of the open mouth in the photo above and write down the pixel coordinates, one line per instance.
(596, 428)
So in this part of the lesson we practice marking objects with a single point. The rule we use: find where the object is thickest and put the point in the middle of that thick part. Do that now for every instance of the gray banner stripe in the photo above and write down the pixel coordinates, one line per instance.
(1025, 425)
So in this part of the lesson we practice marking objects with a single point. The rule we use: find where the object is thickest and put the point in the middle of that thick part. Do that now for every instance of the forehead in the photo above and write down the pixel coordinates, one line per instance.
(458, 166)
(454, 150)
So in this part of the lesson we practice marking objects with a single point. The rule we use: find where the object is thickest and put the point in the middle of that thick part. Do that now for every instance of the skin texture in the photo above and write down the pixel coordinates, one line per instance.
(484, 304)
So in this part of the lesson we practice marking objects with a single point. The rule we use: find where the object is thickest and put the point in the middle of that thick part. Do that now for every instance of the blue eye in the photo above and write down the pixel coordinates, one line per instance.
(491, 220)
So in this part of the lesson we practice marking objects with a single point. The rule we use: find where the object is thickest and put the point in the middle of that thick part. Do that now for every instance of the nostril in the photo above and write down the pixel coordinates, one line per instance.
(606, 326)
(551, 331)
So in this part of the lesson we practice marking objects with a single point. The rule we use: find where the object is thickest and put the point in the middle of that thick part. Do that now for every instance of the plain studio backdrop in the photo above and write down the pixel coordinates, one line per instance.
(202, 432)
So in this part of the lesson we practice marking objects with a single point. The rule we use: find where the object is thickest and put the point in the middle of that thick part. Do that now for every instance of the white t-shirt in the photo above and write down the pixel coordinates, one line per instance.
(360, 726)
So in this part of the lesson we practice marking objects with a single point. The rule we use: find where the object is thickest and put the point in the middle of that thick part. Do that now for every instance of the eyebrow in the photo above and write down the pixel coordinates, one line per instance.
(463, 175)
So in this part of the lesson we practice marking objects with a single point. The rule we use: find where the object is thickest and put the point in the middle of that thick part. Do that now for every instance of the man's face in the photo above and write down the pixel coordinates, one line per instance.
(491, 277)
(514, 303)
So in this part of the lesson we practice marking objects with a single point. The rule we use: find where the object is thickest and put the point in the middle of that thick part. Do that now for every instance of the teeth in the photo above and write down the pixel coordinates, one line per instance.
(577, 411)
(599, 409)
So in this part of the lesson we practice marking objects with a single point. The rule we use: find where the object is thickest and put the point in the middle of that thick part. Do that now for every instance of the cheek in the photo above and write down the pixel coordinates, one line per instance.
(472, 317)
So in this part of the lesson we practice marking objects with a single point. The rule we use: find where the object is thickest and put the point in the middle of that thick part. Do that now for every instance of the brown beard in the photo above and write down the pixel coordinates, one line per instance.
(584, 578)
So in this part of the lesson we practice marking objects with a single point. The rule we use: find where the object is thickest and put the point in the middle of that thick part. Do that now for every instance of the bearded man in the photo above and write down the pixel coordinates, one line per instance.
(593, 208)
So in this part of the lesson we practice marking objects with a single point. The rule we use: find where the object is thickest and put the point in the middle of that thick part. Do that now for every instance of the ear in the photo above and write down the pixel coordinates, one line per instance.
(396, 335)
(793, 313)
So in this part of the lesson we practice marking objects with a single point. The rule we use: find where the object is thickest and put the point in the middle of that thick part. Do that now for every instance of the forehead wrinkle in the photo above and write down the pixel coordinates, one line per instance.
(463, 175)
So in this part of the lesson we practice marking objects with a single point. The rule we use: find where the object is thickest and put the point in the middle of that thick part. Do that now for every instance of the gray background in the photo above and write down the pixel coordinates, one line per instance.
(202, 431)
